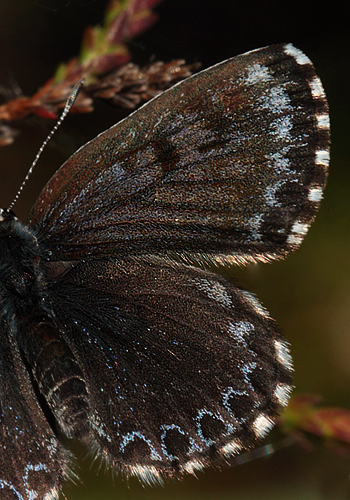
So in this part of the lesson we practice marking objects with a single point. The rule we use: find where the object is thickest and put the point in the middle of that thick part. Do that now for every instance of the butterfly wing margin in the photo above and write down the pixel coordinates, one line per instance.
(230, 164)
(33, 464)
(181, 367)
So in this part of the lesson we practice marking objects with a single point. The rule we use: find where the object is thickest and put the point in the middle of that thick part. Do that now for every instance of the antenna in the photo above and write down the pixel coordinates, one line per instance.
(70, 101)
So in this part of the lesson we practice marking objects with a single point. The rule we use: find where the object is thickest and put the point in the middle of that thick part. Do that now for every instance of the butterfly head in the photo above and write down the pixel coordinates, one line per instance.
(6, 215)
(19, 257)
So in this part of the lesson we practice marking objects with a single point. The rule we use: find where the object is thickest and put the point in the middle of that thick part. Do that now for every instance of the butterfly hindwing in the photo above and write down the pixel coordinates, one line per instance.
(33, 463)
(180, 365)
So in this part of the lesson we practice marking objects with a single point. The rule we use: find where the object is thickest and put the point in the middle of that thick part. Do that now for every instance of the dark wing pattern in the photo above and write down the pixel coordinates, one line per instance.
(181, 367)
(229, 164)
(33, 464)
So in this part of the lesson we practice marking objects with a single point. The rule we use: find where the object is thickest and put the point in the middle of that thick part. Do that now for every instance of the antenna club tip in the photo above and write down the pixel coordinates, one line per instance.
(76, 90)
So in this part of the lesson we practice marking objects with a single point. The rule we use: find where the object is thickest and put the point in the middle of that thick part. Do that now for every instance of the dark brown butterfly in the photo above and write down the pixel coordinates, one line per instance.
(109, 334)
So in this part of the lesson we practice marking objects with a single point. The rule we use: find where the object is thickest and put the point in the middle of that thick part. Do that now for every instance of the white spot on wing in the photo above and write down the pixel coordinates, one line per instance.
(256, 74)
(323, 121)
(282, 393)
(315, 194)
(300, 228)
(316, 88)
(192, 466)
(297, 54)
(294, 239)
(51, 495)
(298, 231)
(283, 355)
(322, 157)
(146, 474)
(231, 448)
(262, 425)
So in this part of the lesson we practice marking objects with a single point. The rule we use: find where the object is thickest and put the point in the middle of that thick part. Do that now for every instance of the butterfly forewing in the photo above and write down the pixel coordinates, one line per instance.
(236, 168)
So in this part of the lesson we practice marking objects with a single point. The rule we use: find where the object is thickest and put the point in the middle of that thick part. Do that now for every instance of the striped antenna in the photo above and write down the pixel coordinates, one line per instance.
(70, 101)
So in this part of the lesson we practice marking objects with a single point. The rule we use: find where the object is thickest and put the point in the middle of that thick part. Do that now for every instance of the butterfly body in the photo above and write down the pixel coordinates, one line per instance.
(111, 336)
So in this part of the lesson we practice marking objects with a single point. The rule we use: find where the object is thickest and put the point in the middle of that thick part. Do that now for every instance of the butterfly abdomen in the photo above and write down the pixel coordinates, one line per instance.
(57, 374)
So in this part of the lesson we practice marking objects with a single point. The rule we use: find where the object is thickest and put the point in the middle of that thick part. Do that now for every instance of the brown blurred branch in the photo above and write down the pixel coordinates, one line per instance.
(305, 417)
(104, 65)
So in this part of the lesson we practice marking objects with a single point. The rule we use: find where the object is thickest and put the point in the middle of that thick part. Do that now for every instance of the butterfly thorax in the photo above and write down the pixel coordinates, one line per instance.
(20, 273)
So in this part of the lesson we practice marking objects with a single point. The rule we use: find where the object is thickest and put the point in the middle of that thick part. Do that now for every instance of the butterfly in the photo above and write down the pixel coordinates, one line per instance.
(113, 332)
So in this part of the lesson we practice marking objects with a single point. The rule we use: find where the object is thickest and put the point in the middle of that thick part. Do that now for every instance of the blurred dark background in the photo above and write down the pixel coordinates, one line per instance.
(308, 294)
